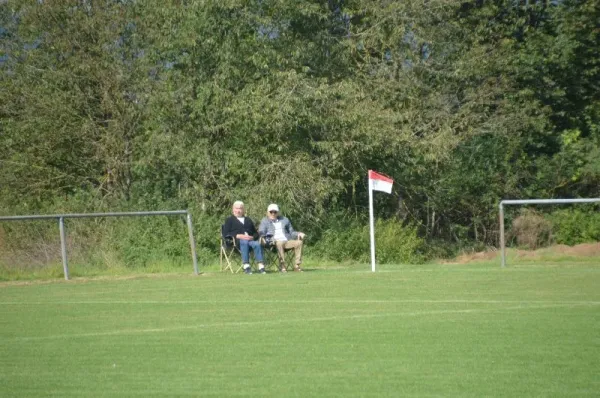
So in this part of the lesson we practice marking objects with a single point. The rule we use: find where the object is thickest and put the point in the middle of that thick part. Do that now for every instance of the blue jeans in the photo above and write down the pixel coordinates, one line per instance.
(245, 246)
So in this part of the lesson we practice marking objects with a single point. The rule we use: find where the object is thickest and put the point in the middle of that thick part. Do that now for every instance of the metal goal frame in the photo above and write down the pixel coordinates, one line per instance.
(531, 202)
(61, 225)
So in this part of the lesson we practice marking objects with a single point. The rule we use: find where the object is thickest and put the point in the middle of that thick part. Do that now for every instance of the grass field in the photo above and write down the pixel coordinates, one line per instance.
(432, 330)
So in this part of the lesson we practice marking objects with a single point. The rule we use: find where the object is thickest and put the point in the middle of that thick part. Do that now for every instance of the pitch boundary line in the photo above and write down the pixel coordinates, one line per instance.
(279, 321)
(323, 301)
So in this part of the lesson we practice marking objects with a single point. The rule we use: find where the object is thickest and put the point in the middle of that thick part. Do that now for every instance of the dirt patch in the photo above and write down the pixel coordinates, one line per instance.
(471, 257)
(581, 250)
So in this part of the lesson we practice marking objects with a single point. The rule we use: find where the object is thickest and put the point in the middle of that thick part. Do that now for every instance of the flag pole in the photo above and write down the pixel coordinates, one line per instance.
(377, 182)
(372, 226)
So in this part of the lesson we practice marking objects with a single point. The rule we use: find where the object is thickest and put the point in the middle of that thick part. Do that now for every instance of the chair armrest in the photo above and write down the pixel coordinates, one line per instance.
(229, 240)
(267, 240)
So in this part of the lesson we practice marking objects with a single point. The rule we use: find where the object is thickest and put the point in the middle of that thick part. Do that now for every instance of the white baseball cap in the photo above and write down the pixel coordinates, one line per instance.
(273, 207)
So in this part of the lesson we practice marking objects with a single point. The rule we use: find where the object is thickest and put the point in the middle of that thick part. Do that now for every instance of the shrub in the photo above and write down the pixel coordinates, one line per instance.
(107, 242)
(531, 229)
(395, 243)
(574, 226)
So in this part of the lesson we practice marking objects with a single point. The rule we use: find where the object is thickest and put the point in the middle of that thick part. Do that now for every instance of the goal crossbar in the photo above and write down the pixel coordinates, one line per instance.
(531, 202)
(61, 226)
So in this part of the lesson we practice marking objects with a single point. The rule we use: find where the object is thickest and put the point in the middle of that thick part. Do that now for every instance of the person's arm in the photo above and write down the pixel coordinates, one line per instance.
(243, 235)
(227, 228)
(263, 228)
(290, 229)
(252, 229)
(293, 233)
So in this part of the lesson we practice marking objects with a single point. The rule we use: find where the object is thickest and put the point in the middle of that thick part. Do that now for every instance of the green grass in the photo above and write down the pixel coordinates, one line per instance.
(404, 331)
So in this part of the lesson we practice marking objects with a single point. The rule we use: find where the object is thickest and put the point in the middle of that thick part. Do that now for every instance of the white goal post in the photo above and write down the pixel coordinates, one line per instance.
(61, 226)
(532, 202)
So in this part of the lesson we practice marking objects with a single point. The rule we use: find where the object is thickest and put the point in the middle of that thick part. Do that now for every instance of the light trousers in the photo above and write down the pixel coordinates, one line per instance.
(290, 244)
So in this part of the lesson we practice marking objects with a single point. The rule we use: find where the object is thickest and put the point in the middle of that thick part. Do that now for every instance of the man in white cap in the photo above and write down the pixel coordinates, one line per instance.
(280, 229)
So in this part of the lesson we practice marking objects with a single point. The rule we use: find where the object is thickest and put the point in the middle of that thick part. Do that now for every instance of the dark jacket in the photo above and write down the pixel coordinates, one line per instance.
(233, 226)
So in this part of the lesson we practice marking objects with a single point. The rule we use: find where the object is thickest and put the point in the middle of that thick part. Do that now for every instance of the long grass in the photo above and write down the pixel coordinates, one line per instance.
(404, 331)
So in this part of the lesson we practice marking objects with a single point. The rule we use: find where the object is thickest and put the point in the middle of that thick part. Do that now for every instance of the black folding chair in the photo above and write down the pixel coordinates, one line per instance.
(228, 250)
(272, 256)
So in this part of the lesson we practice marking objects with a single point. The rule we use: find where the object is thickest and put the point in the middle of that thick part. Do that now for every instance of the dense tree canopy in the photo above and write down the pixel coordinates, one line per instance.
(152, 104)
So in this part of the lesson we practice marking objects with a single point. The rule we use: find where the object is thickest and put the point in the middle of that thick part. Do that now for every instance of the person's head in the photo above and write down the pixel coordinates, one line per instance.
(238, 208)
(272, 211)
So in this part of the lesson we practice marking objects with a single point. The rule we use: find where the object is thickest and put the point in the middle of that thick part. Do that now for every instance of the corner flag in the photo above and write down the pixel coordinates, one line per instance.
(377, 182)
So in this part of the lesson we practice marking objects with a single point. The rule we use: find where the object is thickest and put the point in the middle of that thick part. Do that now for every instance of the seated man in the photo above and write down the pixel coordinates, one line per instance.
(283, 234)
(243, 230)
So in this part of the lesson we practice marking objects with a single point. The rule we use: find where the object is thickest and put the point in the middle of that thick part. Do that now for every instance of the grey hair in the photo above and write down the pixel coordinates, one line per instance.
(238, 203)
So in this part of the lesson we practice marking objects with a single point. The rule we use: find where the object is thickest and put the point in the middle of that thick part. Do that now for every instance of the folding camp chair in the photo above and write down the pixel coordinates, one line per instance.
(272, 257)
(228, 249)
(269, 253)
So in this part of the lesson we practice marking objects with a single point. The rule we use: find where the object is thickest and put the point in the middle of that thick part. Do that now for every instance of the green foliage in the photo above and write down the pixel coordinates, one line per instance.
(395, 243)
(574, 226)
(150, 105)
(131, 242)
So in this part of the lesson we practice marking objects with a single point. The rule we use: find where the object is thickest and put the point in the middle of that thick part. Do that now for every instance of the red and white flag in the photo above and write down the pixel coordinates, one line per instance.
(378, 182)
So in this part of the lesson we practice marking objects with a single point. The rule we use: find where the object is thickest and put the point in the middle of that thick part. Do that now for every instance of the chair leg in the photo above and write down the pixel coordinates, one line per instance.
(227, 261)
(241, 267)
(221, 259)
(290, 259)
(270, 264)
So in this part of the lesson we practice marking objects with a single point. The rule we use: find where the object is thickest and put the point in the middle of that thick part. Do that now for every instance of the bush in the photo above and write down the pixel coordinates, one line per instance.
(107, 242)
(397, 244)
(394, 243)
(531, 229)
(574, 226)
